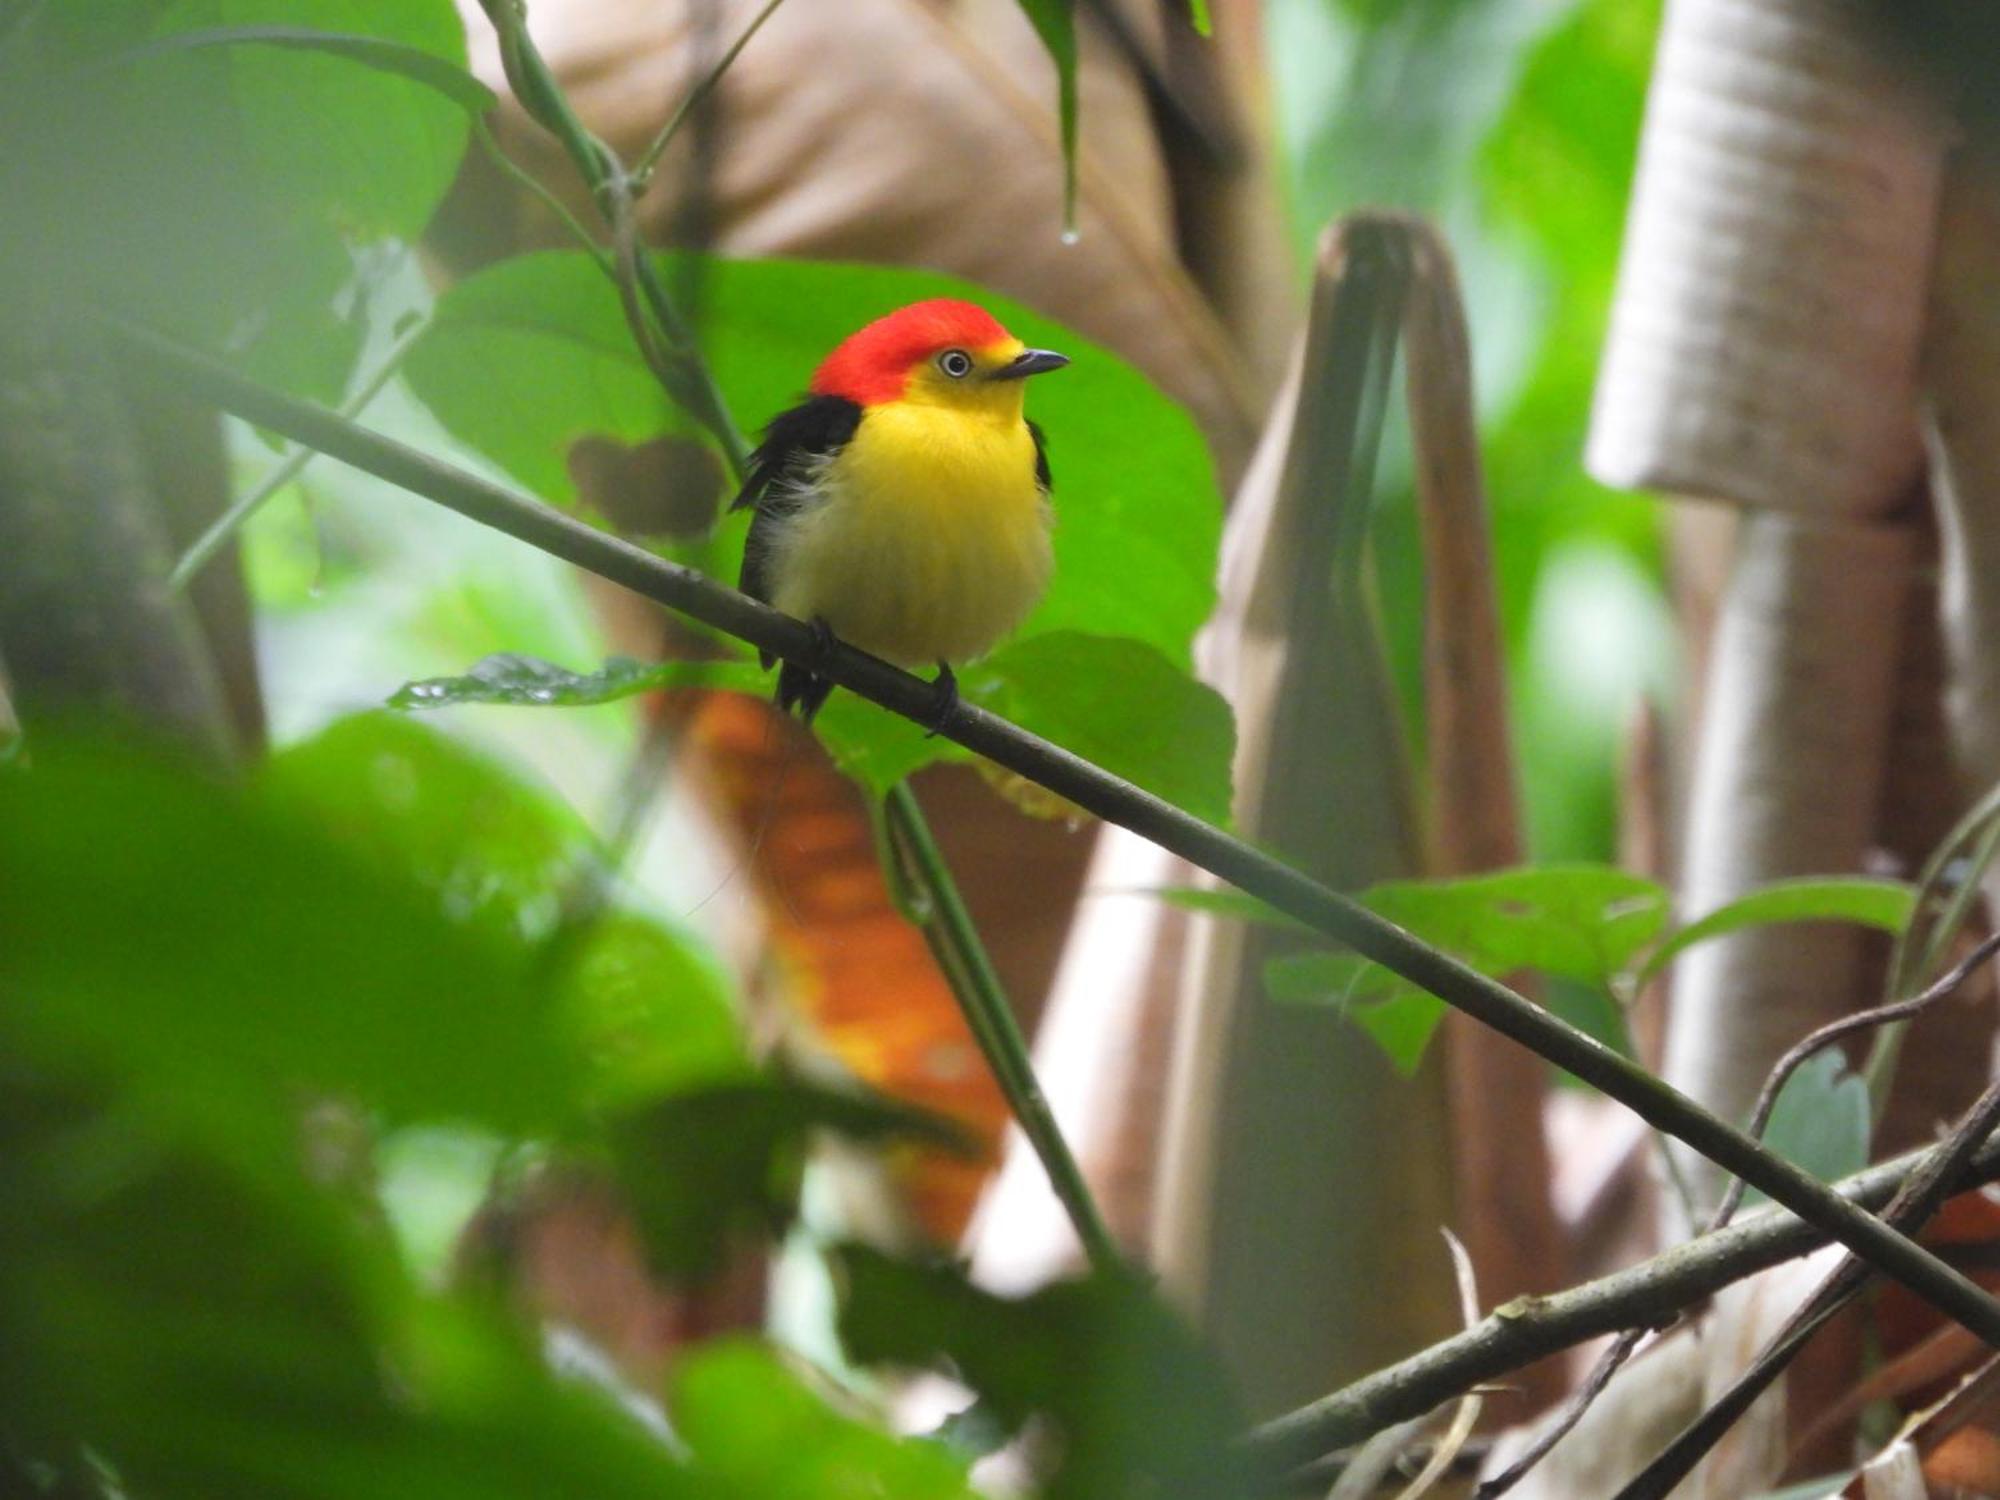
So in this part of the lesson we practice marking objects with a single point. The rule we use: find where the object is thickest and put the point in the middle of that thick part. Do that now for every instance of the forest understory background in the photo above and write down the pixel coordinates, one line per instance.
(1518, 667)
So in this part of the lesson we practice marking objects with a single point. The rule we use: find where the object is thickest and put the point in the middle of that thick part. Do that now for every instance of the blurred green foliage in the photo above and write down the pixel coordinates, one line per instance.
(1513, 123)
(218, 997)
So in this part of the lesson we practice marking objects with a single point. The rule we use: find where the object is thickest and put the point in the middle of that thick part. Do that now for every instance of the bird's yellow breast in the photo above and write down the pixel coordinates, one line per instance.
(927, 539)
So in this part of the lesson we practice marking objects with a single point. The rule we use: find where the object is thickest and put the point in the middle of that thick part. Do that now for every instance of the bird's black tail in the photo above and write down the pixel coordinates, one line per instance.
(801, 689)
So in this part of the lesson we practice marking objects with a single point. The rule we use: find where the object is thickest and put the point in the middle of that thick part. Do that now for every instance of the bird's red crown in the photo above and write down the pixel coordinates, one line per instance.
(872, 364)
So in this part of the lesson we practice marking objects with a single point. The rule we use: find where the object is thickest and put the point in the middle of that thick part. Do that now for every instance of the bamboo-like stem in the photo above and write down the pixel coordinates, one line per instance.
(947, 927)
(1097, 791)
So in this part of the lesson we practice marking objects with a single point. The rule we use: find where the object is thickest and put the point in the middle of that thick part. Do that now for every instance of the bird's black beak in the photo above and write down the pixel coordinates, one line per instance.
(1030, 362)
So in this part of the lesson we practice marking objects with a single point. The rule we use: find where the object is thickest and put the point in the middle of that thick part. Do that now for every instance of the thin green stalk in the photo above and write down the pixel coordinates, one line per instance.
(1092, 788)
(529, 183)
(642, 174)
(980, 996)
(204, 547)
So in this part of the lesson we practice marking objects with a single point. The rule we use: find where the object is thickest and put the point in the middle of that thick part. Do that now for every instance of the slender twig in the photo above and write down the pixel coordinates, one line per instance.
(528, 182)
(642, 171)
(1608, 1364)
(1818, 1041)
(947, 926)
(204, 547)
(1097, 791)
(1921, 1195)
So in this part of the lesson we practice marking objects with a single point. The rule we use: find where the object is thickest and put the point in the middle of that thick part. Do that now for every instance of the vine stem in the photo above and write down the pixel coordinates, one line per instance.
(1097, 791)
(202, 550)
(948, 927)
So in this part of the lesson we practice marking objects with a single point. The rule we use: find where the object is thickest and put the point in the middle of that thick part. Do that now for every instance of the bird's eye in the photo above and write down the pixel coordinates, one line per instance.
(956, 363)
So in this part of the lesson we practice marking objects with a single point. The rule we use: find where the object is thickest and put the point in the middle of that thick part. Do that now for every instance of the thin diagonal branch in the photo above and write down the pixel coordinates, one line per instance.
(1107, 796)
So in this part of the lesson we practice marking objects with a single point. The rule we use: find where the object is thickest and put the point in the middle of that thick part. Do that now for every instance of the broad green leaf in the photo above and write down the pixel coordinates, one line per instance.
(397, 58)
(1139, 1407)
(654, 1013)
(1883, 904)
(248, 173)
(1583, 923)
(527, 357)
(1116, 702)
(529, 682)
(1821, 1120)
(223, 955)
(710, 1166)
(648, 1008)
(751, 1421)
(1198, 14)
(1055, 23)
(1121, 704)
(374, 152)
(497, 848)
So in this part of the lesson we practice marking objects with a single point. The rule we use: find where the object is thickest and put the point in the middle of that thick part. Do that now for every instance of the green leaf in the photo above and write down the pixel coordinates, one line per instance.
(1198, 15)
(654, 1013)
(1116, 702)
(1578, 922)
(1583, 922)
(529, 682)
(1139, 1407)
(393, 57)
(1396, 1015)
(497, 849)
(752, 1423)
(707, 1167)
(1055, 23)
(1883, 904)
(372, 152)
(1121, 704)
(218, 955)
(1821, 1120)
(525, 358)
(250, 175)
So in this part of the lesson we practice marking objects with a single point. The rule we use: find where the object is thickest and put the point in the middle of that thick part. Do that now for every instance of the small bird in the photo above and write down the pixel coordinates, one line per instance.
(903, 506)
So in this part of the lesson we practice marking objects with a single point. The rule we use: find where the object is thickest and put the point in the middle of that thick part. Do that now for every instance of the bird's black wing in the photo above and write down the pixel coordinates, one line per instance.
(793, 443)
(1043, 479)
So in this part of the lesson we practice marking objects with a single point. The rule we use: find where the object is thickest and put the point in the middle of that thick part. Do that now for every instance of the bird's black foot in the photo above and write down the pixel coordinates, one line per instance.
(944, 700)
(800, 688)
